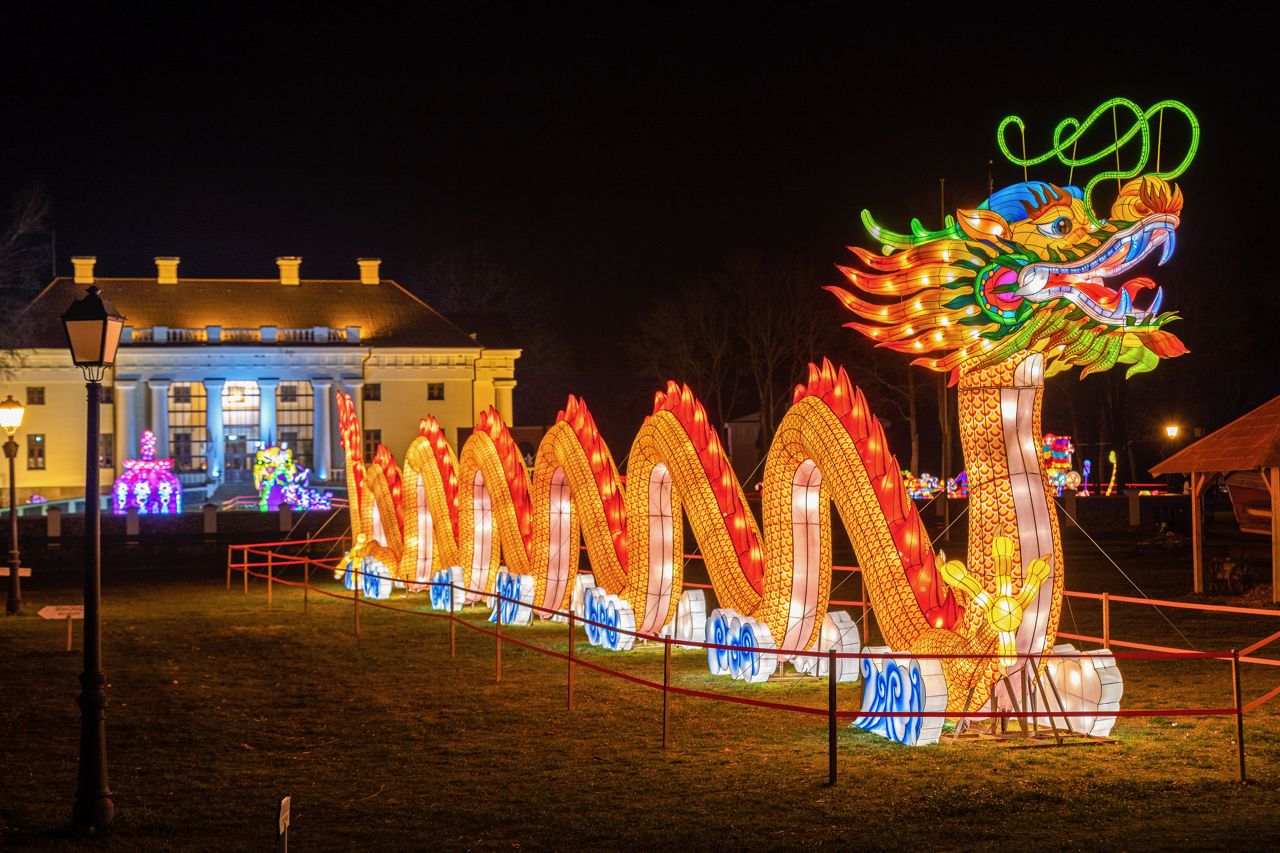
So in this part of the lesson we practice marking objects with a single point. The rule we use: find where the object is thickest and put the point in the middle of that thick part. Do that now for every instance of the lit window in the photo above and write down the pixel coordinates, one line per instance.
(435, 390)
(35, 397)
(372, 391)
(35, 451)
(372, 438)
(106, 450)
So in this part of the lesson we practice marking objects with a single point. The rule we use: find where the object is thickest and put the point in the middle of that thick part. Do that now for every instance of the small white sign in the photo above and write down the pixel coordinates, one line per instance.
(22, 572)
(62, 611)
(284, 814)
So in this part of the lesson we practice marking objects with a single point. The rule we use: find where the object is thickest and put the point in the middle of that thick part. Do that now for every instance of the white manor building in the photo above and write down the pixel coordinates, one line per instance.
(219, 367)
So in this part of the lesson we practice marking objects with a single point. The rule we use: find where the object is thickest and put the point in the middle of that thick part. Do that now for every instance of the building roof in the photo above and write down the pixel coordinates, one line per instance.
(386, 313)
(491, 329)
(1244, 444)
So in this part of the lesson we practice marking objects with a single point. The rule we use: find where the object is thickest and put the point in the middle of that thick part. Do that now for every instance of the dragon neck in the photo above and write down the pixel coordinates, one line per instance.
(1000, 431)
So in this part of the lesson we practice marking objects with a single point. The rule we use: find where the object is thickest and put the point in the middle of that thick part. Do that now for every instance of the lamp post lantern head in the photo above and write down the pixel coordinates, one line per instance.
(93, 327)
(1172, 431)
(11, 412)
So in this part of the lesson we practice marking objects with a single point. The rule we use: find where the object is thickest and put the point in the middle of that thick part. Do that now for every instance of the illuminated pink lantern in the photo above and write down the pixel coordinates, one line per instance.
(147, 483)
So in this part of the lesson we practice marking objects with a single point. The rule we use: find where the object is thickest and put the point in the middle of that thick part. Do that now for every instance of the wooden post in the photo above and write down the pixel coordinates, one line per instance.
(1275, 538)
(228, 568)
(270, 555)
(666, 686)
(572, 638)
(497, 653)
(1197, 532)
(1235, 680)
(866, 626)
(831, 713)
(68, 633)
(1106, 620)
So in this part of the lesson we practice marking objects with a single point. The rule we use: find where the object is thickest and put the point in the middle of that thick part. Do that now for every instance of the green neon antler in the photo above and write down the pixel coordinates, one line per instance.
(1075, 129)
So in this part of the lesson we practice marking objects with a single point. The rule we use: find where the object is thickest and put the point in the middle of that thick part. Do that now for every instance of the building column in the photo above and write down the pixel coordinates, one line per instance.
(355, 387)
(267, 412)
(160, 415)
(502, 394)
(214, 451)
(126, 417)
(320, 434)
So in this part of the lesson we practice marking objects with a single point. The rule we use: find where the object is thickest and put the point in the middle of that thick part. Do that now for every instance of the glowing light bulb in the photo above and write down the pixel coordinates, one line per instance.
(924, 279)
(937, 336)
(917, 345)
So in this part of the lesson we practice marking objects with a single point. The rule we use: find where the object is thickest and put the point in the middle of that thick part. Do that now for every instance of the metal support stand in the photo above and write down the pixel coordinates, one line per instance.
(666, 688)
(1235, 683)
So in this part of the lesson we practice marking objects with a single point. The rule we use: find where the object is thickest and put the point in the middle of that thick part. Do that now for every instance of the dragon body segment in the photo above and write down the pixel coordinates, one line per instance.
(1006, 294)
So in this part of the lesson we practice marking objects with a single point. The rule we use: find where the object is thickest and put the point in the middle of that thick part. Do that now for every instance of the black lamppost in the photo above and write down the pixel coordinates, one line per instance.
(10, 419)
(93, 327)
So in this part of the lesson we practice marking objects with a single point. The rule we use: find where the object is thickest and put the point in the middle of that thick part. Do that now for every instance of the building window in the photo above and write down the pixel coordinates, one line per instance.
(294, 420)
(106, 450)
(108, 395)
(35, 452)
(372, 438)
(373, 391)
(35, 397)
(240, 427)
(188, 427)
(435, 390)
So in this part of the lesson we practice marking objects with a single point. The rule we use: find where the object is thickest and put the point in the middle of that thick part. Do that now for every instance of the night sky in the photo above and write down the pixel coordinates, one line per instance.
(611, 156)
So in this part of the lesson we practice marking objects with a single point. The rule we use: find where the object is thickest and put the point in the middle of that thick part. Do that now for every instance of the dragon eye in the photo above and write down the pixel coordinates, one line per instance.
(1059, 227)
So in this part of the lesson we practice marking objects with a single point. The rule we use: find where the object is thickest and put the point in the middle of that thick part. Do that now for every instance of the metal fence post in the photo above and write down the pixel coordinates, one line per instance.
(306, 583)
(1235, 680)
(229, 550)
(666, 687)
(355, 599)
(572, 641)
(269, 578)
(244, 567)
(497, 657)
(831, 711)
(453, 646)
(1106, 620)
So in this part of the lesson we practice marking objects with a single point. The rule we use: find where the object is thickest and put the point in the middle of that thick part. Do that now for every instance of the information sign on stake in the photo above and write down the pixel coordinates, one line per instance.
(63, 611)
(23, 572)
(282, 824)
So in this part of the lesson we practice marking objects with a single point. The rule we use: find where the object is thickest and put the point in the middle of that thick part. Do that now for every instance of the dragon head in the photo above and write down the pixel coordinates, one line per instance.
(1028, 269)
(1033, 268)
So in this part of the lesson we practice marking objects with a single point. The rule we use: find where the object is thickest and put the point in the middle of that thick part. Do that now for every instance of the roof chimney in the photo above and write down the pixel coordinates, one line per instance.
(369, 270)
(289, 269)
(167, 270)
(84, 269)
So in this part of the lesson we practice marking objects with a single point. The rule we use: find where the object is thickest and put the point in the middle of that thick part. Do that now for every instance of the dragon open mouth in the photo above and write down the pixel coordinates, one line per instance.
(1085, 281)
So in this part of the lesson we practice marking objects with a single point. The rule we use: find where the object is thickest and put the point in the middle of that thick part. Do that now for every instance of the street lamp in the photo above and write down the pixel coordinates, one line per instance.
(93, 327)
(11, 412)
(1172, 431)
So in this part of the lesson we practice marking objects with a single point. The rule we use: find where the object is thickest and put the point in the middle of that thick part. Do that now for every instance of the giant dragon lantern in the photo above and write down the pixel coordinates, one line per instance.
(1028, 284)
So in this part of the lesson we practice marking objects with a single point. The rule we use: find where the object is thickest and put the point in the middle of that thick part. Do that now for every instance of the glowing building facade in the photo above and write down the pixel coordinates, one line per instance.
(218, 368)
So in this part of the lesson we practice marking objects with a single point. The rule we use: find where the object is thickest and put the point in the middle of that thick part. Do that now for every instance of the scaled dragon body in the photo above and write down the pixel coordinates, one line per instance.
(1023, 287)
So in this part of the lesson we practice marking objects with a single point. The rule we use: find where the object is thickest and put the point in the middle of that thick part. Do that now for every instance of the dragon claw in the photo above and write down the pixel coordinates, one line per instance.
(1004, 610)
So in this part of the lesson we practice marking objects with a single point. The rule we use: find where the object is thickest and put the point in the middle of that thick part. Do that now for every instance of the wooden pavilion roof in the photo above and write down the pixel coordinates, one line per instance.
(1249, 442)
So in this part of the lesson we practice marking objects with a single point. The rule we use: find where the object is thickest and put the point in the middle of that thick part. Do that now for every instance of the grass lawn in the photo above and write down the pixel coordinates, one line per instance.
(219, 704)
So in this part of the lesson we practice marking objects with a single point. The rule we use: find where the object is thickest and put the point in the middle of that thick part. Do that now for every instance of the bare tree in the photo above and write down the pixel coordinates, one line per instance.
(24, 258)
(693, 339)
(779, 314)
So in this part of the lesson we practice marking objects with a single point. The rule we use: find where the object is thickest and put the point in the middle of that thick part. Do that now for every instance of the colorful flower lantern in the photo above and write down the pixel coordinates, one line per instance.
(279, 481)
(147, 483)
